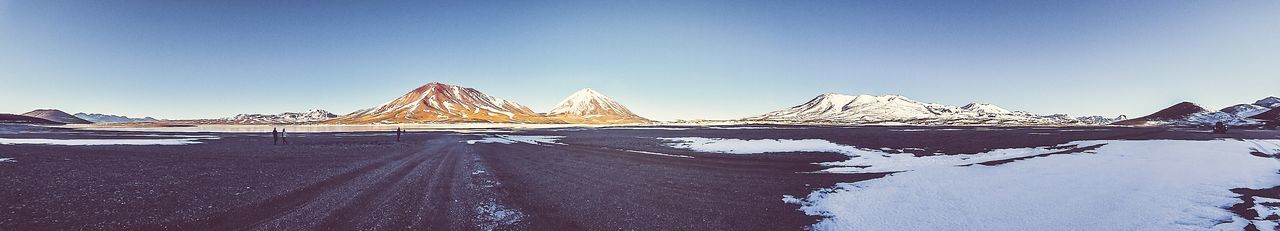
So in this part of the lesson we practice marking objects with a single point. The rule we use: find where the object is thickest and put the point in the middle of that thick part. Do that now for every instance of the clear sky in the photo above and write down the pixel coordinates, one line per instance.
(663, 59)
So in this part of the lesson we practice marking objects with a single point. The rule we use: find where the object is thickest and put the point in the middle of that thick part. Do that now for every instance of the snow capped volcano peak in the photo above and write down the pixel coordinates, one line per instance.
(587, 91)
(589, 106)
(582, 100)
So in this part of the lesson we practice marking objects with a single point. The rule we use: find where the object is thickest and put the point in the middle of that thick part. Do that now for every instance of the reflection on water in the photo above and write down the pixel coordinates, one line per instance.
(185, 141)
(330, 128)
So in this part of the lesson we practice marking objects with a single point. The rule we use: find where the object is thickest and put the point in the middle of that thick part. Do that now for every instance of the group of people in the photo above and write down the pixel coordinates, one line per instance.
(278, 136)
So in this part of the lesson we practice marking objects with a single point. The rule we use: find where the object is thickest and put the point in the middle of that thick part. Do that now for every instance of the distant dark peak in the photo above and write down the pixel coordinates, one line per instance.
(1178, 111)
(1271, 102)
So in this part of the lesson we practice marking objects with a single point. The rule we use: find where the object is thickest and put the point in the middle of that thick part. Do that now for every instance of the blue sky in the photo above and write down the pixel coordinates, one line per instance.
(663, 59)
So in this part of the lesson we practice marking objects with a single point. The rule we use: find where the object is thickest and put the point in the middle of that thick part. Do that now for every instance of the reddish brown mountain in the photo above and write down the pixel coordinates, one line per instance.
(1273, 114)
(1178, 111)
(56, 115)
(21, 119)
(438, 102)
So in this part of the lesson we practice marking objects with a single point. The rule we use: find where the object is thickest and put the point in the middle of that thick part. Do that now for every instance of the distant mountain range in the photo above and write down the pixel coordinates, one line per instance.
(896, 109)
(313, 115)
(55, 116)
(444, 103)
(103, 118)
(1190, 114)
(310, 116)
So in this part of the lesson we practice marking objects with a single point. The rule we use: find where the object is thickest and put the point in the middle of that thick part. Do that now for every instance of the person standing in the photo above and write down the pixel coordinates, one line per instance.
(284, 136)
(398, 131)
(275, 136)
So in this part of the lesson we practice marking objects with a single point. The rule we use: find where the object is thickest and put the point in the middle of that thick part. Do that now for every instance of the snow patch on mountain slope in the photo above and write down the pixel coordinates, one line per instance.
(1245, 110)
(985, 108)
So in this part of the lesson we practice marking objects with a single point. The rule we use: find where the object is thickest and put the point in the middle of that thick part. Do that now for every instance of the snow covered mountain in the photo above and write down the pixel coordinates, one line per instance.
(1099, 120)
(896, 109)
(313, 115)
(103, 118)
(442, 103)
(1187, 114)
(587, 106)
(862, 108)
(1245, 110)
(56, 115)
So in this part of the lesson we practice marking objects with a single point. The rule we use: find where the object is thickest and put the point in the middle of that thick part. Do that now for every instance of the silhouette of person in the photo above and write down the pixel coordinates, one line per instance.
(398, 131)
(275, 136)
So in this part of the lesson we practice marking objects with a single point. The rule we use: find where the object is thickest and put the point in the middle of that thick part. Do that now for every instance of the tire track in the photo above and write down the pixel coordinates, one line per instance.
(360, 207)
(244, 217)
(437, 202)
(320, 200)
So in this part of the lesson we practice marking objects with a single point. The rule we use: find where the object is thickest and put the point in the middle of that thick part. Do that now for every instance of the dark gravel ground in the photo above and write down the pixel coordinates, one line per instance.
(434, 181)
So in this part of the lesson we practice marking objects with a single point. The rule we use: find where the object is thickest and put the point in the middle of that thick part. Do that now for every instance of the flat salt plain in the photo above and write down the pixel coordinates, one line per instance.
(646, 178)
